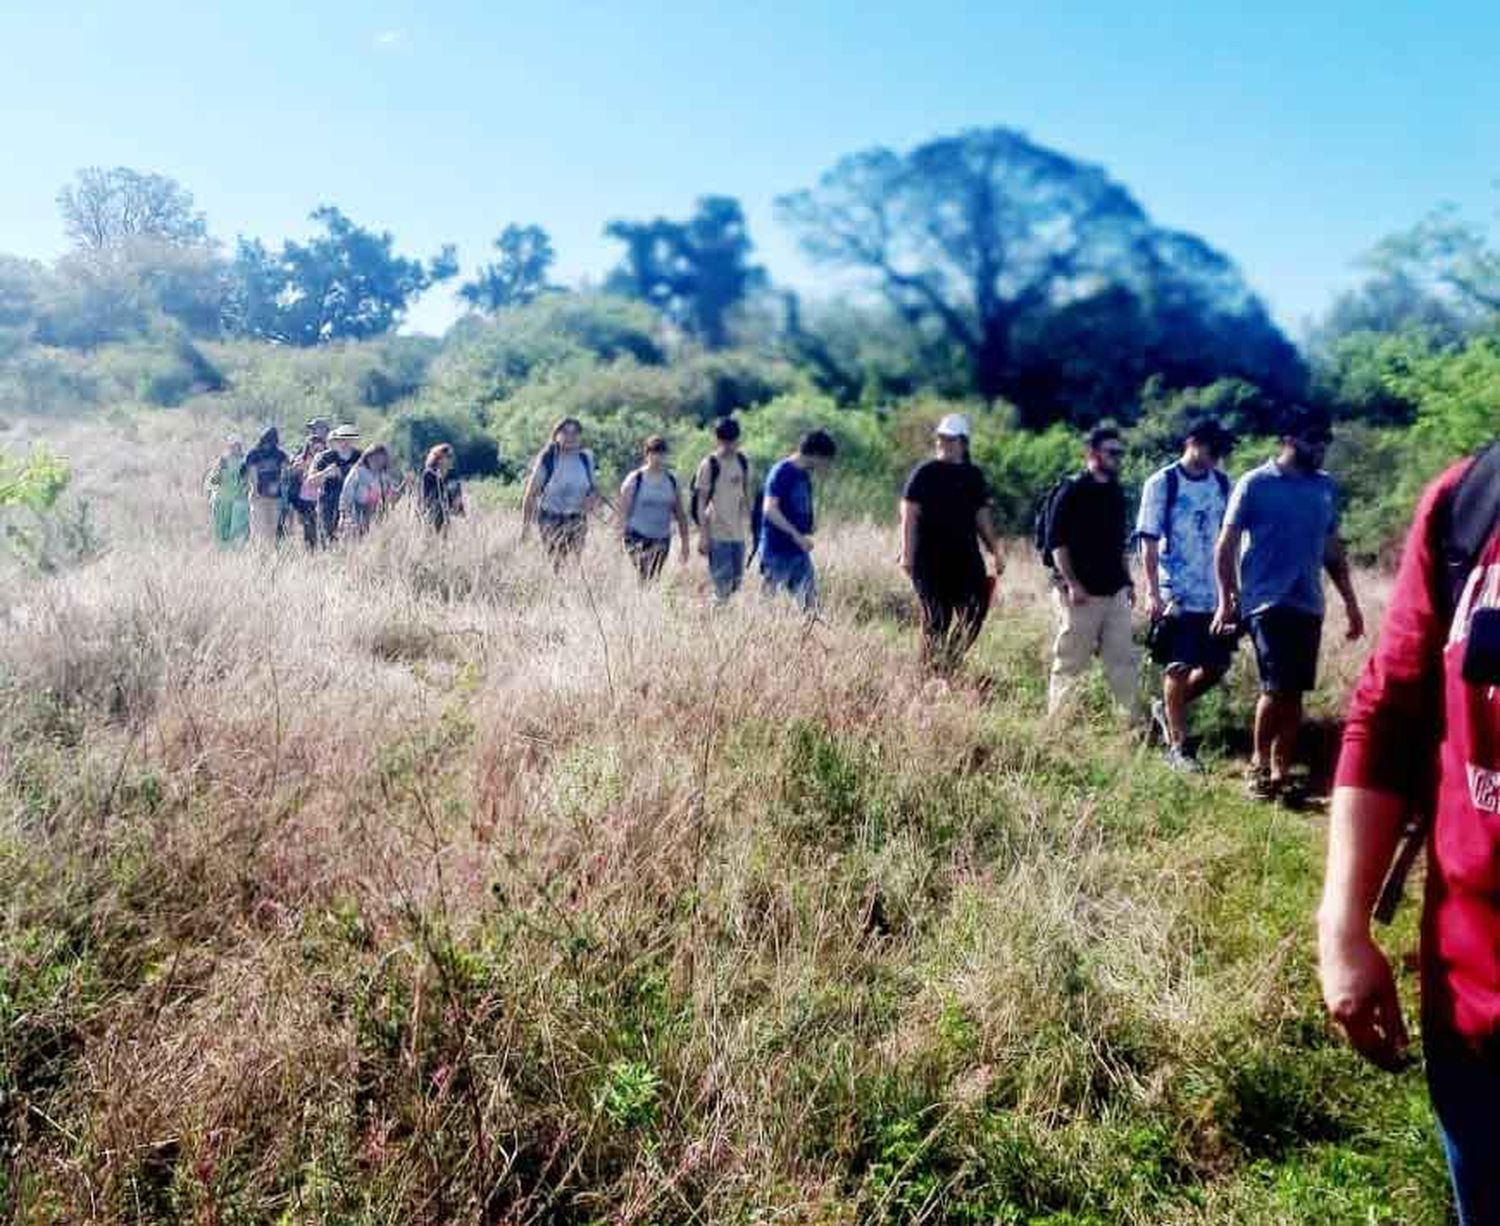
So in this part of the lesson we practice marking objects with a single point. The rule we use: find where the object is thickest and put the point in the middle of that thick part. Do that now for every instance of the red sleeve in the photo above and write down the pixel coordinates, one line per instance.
(1396, 713)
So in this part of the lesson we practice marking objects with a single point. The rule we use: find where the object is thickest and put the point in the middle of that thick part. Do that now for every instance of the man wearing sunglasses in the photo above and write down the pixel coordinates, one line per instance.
(1280, 534)
(1087, 539)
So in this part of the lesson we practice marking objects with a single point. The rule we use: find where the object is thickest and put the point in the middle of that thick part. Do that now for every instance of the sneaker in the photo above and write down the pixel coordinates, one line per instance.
(1159, 721)
(1183, 762)
(1260, 786)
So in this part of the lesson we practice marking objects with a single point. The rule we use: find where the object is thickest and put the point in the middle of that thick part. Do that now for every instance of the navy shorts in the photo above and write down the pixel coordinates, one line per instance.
(1186, 641)
(1286, 649)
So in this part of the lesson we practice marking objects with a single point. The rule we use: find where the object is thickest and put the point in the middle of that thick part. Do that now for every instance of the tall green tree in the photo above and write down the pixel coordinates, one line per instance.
(518, 277)
(696, 272)
(347, 283)
(1033, 265)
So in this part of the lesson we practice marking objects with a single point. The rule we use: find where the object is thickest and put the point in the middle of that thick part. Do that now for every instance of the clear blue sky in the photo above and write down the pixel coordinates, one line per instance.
(1292, 136)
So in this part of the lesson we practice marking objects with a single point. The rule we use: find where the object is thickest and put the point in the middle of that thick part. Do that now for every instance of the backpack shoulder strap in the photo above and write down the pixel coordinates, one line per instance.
(1222, 478)
(548, 464)
(1174, 488)
(1472, 515)
(588, 467)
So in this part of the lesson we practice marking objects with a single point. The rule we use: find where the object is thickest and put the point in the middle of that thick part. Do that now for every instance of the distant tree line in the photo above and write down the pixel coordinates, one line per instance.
(980, 264)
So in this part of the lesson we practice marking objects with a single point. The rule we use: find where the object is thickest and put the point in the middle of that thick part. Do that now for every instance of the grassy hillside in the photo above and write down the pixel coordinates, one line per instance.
(411, 884)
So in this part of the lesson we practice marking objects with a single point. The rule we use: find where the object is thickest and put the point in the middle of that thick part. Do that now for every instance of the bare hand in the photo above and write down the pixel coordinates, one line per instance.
(1223, 623)
(1356, 629)
(1074, 594)
(805, 541)
(703, 546)
(1156, 608)
(1360, 993)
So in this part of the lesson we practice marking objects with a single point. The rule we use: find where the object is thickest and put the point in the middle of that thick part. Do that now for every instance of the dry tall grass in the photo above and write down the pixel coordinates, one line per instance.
(412, 883)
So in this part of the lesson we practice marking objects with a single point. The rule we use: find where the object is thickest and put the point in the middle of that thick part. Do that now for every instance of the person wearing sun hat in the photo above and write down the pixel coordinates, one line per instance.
(328, 473)
(945, 516)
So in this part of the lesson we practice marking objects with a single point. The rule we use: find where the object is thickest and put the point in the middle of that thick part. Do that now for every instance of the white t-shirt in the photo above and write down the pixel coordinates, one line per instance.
(1187, 543)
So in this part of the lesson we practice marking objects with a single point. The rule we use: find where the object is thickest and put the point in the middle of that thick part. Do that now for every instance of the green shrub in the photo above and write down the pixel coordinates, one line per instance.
(476, 454)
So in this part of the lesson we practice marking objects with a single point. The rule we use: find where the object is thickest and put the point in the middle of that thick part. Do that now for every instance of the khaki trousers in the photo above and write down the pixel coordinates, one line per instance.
(1100, 626)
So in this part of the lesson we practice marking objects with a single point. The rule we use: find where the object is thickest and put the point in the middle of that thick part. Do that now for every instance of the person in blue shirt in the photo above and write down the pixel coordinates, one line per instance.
(786, 539)
(1280, 534)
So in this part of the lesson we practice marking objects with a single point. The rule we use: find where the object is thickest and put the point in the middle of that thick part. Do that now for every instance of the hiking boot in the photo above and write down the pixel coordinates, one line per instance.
(1260, 786)
(1159, 721)
(1179, 760)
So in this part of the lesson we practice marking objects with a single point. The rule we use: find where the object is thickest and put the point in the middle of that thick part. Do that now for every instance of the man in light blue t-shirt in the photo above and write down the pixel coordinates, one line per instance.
(1182, 509)
(1280, 535)
(786, 527)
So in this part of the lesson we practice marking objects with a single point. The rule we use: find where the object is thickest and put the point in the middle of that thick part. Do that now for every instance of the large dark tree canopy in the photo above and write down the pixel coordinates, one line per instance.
(696, 272)
(1045, 273)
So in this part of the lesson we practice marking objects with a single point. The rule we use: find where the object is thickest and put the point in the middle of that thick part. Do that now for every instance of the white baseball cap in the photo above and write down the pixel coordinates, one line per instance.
(955, 425)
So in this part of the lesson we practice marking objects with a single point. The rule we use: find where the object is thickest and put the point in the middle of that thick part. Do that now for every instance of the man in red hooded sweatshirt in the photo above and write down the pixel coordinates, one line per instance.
(1423, 738)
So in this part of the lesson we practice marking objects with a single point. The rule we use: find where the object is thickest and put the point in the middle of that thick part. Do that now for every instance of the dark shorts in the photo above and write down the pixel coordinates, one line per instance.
(1186, 641)
(649, 553)
(562, 535)
(1286, 649)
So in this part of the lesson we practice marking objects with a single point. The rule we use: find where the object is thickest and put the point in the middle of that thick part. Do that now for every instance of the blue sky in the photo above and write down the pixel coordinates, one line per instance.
(1292, 136)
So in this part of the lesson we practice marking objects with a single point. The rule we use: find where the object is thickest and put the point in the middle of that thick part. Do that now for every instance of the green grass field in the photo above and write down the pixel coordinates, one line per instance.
(410, 884)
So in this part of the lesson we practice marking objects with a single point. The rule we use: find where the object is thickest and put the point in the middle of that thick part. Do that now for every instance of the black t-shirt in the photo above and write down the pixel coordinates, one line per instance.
(335, 483)
(1090, 523)
(950, 496)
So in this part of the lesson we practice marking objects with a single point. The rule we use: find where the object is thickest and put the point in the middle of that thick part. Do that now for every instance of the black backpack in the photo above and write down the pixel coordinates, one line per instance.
(697, 496)
(639, 476)
(1465, 522)
(548, 466)
(1043, 519)
(1468, 518)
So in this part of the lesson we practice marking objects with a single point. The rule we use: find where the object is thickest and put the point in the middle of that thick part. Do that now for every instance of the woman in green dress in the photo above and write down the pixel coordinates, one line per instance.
(229, 496)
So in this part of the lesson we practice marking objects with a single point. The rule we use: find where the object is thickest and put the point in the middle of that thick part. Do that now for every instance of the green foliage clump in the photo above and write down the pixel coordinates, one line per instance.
(476, 454)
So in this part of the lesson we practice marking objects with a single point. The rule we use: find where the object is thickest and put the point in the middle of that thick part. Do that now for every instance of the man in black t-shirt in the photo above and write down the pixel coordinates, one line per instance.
(945, 515)
(1088, 538)
(329, 471)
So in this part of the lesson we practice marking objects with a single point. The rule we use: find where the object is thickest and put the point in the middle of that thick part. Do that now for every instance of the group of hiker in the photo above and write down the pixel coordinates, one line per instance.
(1218, 561)
(330, 486)
(735, 519)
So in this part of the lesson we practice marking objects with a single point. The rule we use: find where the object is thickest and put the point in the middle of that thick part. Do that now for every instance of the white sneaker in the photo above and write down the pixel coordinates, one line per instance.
(1159, 719)
(1183, 762)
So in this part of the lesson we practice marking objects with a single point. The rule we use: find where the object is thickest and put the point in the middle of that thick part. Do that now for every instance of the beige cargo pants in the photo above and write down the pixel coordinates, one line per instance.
(1100, 626)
